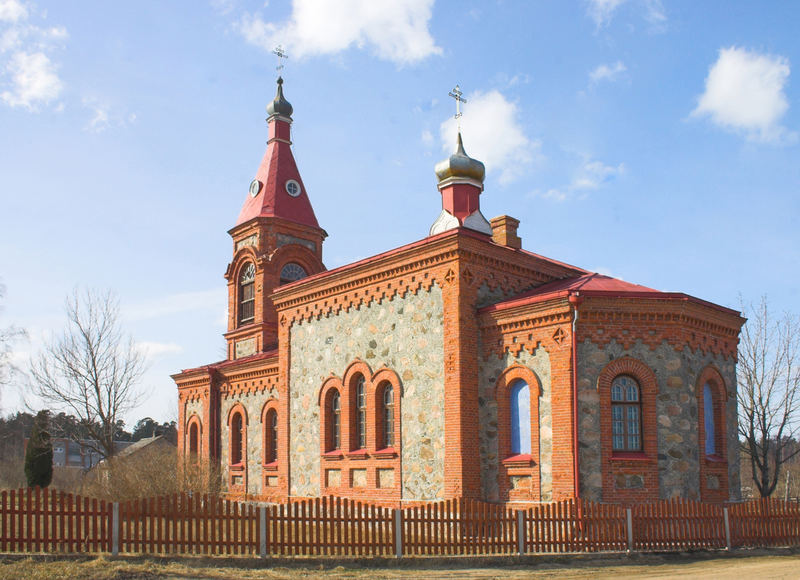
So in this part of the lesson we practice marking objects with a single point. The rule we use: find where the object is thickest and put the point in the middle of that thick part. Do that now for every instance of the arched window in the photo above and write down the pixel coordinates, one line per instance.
(271, 436)
(520, 418)
(194, 440)
(708, 420)
(247, 294)
(237, 438)
(292, 272)
(626, 414)
(387, 416)
(361, 414)
(335, 421)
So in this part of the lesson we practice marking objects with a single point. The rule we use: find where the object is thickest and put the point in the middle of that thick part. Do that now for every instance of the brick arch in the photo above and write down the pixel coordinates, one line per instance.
(625, 464)
(237, 472)
(241, 259)
(515, 466)
(194, 421)
(712, 467)
(375, 391)
(270, 405)
(331, 384)
(356, 369)
(297, 254)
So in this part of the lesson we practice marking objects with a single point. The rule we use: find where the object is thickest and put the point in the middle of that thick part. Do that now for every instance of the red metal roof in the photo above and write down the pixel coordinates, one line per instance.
(597, 285)
(277, 167)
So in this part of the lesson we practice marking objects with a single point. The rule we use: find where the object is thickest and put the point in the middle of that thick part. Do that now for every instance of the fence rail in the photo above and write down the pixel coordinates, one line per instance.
(34, 520)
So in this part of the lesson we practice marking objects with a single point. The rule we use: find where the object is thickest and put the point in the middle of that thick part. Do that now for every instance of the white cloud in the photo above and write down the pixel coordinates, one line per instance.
(492, 134)
(745, 93)
(395, 31)
(591, 175)
(27, 73)
(427, 138)
(33, 80)
(158, 349)
(602, 12)
(606, 72)
(103, 118)
(12, 11)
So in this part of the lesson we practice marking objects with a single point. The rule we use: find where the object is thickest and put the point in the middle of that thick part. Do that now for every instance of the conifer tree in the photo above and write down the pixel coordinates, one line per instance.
(39, 454)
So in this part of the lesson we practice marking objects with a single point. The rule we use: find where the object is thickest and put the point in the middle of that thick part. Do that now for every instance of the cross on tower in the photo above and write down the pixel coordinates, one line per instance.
(456, 94)
(281, 54)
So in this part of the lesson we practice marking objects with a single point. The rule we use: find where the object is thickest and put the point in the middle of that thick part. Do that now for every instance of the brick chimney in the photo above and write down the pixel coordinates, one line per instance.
(504, 231)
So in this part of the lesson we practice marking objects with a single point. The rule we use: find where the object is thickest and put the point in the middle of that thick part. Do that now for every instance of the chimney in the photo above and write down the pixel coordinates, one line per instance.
(504, 231)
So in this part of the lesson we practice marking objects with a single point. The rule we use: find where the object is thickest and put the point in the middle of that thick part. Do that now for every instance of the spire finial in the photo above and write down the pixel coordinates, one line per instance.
(281, 54)
(456, 94)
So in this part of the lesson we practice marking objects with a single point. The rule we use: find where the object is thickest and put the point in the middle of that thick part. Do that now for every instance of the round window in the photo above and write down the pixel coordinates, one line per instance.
(292, 188)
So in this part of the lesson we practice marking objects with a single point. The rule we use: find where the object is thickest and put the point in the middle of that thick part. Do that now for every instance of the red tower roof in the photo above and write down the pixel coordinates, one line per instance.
(279, 191)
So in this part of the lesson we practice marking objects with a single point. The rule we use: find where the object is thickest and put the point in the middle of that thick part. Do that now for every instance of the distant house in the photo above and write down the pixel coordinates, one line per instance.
(82, 453)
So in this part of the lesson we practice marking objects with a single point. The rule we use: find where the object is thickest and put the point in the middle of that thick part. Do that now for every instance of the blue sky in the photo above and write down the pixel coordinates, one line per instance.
(652, 141)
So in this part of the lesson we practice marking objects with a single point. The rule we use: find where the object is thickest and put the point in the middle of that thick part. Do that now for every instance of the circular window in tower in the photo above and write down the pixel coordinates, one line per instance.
(292, 272)
(292, 188)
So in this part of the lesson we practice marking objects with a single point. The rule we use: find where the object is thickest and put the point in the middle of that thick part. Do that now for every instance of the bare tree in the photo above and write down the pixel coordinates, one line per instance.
(769, 402)
(8, 336)
(92, 369)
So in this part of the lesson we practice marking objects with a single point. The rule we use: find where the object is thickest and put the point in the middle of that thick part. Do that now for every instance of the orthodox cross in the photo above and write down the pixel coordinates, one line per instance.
(281, 54)
(456, 94)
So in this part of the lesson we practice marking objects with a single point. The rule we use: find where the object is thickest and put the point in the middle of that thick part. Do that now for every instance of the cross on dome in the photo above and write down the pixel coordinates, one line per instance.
(281, 54)
(456, 94)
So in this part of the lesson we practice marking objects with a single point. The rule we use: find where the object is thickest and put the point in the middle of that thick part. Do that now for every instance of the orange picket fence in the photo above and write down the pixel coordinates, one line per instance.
(45, 521)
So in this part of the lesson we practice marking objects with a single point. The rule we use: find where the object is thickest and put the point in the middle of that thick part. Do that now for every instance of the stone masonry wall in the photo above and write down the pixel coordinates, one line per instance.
(405, 335)
(253, 404)
(676, 415)
(490, 370)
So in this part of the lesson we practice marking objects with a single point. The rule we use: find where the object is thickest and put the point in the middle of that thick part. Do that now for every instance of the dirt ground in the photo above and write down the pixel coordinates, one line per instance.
(743, 565)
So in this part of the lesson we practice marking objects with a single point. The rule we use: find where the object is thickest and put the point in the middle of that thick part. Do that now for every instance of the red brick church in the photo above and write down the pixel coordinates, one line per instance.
(459, 365)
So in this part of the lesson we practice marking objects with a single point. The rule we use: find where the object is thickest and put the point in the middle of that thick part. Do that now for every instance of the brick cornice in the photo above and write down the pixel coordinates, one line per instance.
(411, 268)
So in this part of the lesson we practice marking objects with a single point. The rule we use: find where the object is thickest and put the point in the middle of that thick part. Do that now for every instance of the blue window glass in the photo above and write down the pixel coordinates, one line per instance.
(520, 418)
(708, 420)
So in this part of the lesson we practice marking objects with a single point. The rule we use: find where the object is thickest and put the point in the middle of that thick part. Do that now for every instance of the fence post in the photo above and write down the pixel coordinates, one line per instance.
(521, 532)
(115, 529)
(727, 528)
(262, 528)
(629, 517)
(398, 533)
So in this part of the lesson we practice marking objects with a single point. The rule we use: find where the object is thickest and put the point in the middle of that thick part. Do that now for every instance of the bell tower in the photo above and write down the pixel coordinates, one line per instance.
(276, 240)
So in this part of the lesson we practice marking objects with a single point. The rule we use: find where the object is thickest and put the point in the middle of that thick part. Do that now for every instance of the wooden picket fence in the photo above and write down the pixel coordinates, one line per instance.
(33, 520)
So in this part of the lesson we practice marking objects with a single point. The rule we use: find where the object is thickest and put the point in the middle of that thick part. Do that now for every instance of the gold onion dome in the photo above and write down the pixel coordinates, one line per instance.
(279, 105)
(460, 166)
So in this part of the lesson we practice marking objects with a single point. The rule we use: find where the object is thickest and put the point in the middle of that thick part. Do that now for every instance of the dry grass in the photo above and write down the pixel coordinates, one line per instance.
(706, 565)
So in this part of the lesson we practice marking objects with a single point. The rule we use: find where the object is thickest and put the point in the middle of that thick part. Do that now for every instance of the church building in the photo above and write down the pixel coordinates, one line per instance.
(459, 365)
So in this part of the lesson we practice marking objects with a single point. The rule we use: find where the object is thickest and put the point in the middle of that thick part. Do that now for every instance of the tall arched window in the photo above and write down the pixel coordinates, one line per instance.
(194, 440)
(271, 436)
(361, 414)
(708, 420)
(237, 437)
(247, 294)
(335, 421)
(626, 414)
(292, 272)
(387, 416)
(520, 418)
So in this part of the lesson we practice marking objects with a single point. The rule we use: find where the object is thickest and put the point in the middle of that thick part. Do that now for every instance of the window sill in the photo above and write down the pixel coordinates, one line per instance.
(639, 457)
(715, 460)
(332, 455)
(521, 460)
(358, 454)
(387, 453)
(236, 467)
(270, 466)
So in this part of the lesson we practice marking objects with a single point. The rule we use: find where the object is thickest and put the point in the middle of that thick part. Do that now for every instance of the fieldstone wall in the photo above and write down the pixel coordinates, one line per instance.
(676, 415)
(490, 370)
(405, 334)
(253, 404)
(194, 407)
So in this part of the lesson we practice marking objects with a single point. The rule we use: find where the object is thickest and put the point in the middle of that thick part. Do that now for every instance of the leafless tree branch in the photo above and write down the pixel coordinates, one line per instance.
(769, 377)
(92, 369)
